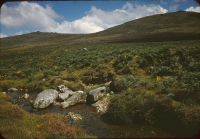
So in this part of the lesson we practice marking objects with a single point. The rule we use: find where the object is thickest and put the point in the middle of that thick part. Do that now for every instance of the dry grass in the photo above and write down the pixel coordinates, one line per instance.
(16, 123)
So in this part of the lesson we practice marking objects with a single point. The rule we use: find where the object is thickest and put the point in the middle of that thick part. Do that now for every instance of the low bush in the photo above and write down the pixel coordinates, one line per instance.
(75, 86)
(122, 83)
(140, 107)
(99, 75)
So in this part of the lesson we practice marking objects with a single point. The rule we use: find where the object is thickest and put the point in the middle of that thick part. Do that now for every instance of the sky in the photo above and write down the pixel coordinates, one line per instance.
(75, 17)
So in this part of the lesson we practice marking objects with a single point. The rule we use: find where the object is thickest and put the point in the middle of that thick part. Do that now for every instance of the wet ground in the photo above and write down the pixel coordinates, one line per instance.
(91, 121)
(93, 124)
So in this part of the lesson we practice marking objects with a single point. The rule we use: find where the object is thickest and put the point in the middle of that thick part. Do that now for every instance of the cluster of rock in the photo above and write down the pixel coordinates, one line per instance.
(65, 98)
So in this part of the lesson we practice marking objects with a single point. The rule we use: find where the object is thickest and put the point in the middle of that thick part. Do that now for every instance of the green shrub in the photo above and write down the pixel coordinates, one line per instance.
(139, 107)
(118, 85)
(99, 75)
(122, 83)
(75, 86)
(36, 86)
(38, 75)
(190, 119)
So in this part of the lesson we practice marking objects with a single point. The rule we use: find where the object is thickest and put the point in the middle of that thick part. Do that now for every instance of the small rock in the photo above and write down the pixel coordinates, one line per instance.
(43, 79)
(26, 96)
(102, 105)
(94, 95)
(108, 83)
(80, 92)
(112, 93)
(170, 95)
(12, 90)
(74, 117)
(85, 49)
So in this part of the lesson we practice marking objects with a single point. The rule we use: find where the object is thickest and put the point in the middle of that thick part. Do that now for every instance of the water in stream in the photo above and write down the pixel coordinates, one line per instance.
(92, 123)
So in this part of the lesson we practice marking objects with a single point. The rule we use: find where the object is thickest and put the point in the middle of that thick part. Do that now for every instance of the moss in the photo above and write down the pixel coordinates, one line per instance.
(75, 86)
(6, 84)
(38, 75)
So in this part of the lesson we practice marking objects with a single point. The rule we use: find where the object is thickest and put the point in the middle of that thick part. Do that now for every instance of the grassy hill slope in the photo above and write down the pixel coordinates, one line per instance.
(163, 27)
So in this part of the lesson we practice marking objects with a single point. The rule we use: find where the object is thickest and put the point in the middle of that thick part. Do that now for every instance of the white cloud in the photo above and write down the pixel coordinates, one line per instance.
(3, 35)
(193, 9)
(36, 17)
(28, 14)
(98, 19)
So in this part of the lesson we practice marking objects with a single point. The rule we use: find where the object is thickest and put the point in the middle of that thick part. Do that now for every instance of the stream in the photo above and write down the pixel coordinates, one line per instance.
(91, 122)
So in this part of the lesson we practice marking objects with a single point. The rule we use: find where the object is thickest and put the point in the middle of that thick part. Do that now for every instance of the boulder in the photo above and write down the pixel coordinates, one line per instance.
(94, 95)
(77, 97)
(63, 96)
(102, 105)
(45, 98)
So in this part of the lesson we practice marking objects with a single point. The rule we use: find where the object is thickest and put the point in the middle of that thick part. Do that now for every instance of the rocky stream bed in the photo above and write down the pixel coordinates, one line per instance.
(87, 117)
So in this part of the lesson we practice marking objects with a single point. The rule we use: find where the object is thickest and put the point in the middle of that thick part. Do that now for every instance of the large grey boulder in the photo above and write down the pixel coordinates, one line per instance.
(63, 96)
(77, 97)
(94, 95)
(45, 98)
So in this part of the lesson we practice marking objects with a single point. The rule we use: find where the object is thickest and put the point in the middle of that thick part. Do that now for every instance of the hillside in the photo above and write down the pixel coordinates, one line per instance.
(163, 27)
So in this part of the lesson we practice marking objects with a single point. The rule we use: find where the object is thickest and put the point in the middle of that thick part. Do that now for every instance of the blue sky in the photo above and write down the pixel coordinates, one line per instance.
(81, 16)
